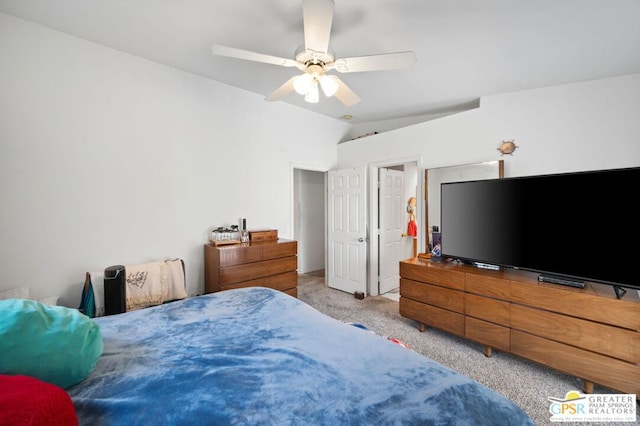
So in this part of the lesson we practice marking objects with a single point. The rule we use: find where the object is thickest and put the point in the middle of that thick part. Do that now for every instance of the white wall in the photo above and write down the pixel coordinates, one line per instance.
(107, 158)
(581, 126)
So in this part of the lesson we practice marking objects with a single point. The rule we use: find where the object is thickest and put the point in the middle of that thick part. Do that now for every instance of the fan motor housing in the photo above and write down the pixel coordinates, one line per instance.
(310, 57)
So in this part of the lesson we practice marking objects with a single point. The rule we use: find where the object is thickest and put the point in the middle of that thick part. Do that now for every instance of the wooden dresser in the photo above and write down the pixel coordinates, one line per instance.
(271, 263)
(587, 333)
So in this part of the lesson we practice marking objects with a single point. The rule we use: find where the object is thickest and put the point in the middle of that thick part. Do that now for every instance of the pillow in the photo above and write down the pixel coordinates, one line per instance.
(15, 293)
(23, 293)
(55, 344)
(28, 401)
(51, 300)
(177, 288)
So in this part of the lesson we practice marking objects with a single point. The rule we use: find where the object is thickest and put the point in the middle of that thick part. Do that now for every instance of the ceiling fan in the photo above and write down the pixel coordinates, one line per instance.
(315, 58)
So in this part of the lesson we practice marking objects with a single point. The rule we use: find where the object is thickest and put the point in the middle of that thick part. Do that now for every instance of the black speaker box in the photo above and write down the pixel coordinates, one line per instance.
(115, 299)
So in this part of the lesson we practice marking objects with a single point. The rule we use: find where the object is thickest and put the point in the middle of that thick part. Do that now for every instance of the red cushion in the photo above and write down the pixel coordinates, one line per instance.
(28, 401)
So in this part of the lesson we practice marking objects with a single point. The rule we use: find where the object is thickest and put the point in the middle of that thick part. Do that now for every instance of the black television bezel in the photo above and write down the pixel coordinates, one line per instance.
(618, 287)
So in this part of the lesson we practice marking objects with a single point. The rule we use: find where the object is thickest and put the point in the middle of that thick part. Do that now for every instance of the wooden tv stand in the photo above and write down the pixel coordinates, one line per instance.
(587, 333)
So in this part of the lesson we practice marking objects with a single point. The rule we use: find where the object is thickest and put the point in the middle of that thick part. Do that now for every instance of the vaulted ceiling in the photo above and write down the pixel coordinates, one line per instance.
(465, 49)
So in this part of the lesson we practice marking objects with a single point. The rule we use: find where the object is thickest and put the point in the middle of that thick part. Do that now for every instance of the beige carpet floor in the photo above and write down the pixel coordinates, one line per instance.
(526, 383)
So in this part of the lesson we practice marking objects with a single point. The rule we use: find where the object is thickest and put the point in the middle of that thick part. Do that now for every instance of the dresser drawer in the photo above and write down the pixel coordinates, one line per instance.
(492, 310)
(250, 271)
(444, 298)
(280, 282)
(488, 333)
(578, 303)
(596, 337)
(607, 371)
(238, 255)
(487, 285)
(274, 251)
(433, 316)
(440, 276)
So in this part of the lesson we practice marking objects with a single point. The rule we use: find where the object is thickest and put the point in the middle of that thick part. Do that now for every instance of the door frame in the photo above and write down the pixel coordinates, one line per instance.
(372, 285)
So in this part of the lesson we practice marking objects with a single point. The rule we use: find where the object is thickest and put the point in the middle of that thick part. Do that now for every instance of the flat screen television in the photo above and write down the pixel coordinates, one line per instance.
(571, 228)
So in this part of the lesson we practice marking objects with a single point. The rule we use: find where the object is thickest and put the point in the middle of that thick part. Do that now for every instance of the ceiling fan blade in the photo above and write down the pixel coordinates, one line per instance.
(282, 91)
(247, 55)
(317, 16)
(375, 62)
(345, 94)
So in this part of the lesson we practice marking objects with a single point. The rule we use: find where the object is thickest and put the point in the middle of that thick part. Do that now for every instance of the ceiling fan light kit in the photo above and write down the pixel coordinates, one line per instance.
(312, 96)
(329, 84)
(315, 58)
(302, 84)
(307, 85)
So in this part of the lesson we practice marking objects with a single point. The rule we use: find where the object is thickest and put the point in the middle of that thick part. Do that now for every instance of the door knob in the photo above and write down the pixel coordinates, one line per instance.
(361, 240)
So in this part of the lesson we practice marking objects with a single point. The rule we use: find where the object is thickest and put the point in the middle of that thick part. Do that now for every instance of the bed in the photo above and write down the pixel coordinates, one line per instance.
(258, 356)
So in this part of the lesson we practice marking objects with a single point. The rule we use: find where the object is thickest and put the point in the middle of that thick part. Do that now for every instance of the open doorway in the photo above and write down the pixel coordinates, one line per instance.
(309, 207)
(309, 214)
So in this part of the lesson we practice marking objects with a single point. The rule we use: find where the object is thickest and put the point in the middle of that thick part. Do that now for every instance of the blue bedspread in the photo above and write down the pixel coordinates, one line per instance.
(257, 356)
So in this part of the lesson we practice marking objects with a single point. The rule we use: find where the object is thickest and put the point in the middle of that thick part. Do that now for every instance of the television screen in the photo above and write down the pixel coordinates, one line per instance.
(581, 226)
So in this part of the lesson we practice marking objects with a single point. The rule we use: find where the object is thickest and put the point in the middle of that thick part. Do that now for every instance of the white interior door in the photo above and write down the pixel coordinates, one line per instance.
(392, 225)
(347, 236)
